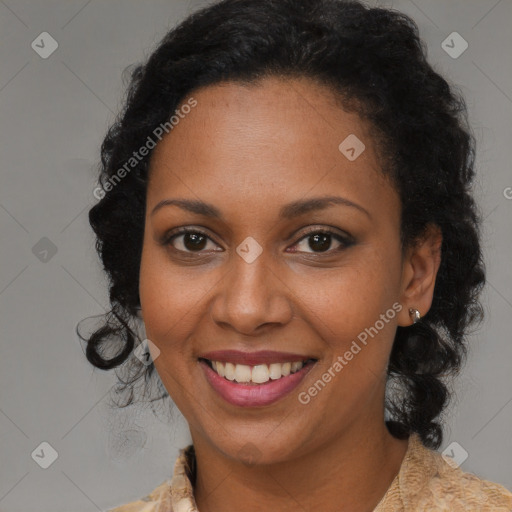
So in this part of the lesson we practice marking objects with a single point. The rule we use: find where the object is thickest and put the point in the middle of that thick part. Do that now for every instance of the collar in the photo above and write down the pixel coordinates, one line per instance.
(418, 466)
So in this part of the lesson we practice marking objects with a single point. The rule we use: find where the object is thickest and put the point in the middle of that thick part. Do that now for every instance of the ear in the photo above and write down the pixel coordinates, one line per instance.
(419, 272)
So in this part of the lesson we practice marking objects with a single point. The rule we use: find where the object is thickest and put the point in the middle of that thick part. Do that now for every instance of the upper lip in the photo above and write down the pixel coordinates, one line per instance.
(253, 358)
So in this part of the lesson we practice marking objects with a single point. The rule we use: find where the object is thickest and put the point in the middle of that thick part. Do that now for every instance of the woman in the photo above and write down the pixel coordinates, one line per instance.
(285, 202)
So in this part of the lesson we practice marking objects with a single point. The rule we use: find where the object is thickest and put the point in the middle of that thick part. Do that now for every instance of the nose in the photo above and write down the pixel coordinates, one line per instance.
(251, 297)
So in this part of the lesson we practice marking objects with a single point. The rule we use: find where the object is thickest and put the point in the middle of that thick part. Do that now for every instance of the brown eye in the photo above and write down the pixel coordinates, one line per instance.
(320, 241)
(194, 241)
(187, 240)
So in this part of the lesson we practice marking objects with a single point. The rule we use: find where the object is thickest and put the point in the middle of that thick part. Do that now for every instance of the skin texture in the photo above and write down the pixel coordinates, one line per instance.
(249, 150)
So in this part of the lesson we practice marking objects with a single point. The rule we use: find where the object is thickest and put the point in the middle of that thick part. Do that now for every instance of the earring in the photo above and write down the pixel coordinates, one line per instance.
(414, 313)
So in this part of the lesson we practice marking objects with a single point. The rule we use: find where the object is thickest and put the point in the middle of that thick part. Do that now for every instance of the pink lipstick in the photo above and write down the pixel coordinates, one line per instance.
(254, 379)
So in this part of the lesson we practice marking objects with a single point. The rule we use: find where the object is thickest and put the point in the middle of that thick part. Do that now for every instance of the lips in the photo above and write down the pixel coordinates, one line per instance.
(251, 379)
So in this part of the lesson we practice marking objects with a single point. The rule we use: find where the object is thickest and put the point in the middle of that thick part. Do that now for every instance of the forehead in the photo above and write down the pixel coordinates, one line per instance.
(263, 143)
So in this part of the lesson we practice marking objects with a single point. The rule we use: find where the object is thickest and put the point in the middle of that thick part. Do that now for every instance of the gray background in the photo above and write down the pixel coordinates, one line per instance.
(54, 114)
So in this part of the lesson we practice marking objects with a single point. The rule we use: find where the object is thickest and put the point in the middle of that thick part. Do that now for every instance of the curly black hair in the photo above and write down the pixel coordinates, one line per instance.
(375, 61)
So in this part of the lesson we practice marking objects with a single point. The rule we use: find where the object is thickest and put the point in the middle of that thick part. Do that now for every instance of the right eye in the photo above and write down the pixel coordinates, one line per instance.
(188, 240)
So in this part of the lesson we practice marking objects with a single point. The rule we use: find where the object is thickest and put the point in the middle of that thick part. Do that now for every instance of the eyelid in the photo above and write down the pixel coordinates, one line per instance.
(311, 230)
(171, 234)
(344, 239)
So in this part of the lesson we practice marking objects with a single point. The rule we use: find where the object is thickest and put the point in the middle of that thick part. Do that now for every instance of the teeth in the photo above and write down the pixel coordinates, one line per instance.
(296, 365)
(242, 373)
(229, 369)
(274, 371)
(220, 368)
(258, 374)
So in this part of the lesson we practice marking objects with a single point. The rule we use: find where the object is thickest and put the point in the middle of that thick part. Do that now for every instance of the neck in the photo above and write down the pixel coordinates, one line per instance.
(351, 473)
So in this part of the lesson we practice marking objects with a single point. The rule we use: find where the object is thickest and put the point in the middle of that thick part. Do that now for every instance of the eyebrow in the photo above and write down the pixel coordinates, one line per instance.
(288, 211)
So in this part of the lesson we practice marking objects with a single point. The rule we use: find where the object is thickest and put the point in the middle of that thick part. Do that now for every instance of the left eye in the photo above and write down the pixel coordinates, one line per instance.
(192, 241)
(320, 241)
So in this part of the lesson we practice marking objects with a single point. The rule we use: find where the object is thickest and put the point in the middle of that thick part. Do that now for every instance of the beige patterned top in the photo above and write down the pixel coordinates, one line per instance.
(427, 481)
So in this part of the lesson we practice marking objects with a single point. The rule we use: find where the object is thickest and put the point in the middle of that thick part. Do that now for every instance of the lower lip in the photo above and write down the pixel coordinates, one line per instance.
(244, 395)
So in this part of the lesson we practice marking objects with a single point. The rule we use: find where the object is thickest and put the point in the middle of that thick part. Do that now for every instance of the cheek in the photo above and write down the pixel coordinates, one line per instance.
(170, 296)
(167, 315)
(344, 301)
(352, 313)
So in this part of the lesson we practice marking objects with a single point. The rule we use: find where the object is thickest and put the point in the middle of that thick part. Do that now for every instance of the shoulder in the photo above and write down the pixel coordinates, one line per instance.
(175, 494)
(453, 489)
(434, 482)
(158, 500)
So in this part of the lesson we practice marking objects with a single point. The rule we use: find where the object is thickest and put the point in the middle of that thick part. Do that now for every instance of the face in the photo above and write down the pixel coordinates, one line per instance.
(248, 266)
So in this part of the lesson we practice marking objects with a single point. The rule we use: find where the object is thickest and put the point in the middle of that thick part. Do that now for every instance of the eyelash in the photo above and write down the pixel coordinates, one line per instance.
(344, 240)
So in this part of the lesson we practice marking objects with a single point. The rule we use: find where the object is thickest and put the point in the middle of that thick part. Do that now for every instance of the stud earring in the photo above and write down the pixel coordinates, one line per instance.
(415, 314)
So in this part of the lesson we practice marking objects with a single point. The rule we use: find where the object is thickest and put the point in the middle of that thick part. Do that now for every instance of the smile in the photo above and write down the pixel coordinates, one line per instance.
(259, 374)
(254, 380)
